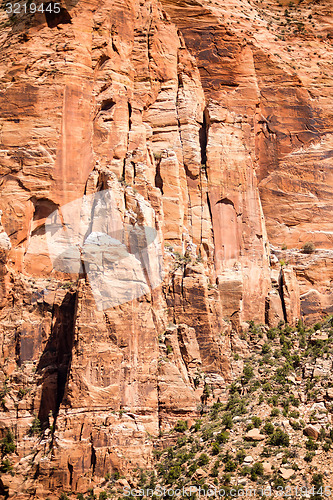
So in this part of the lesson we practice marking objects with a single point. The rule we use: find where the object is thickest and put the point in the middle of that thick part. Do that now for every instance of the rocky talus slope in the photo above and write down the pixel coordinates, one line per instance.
(209, 122)
(271, 432)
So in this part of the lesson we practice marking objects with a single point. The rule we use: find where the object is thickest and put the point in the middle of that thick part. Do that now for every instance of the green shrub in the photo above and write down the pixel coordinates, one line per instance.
(215, 448)
(296, 360)
(230, 466)
(256, 422)
(207, 434)
(317, 480)
(275, 412)
(309, 456)
(7, 443)
(192, 468)
(6, 466)
(215, 410)
(311, 445)
(197, 425)
(271, 334)
(279, 438)
(91, 495)
(35, 428)
(257, 470)
(268, 428)
(266, 452)
(267, 387)
(327, 445)
(169, 349)
(278, 481)
(203, 459)
(247, 373)
(227, 420)
(240, 456)
(103, 495)
(181, 426)
(295, 425)
(173, 474)
(265, 349)
(226, 479)
(236, 405)
(294, 401)
(63, 496)
(215, 470)
(222, 437)
(245, 470)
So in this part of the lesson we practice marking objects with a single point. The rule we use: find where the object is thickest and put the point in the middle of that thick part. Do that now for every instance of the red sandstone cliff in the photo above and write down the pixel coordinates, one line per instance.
(209, 122)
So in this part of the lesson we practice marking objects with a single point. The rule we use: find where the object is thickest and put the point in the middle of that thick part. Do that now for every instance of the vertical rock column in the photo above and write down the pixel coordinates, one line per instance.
(5, 247)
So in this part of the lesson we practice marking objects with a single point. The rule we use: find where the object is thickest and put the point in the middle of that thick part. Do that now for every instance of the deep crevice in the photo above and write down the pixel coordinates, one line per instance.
(129, 116)
(209, 208)
(158, 178)
(280, 290)
(203, 138)
(267, 304)
(93, 458)
(18, 347)
(70, 468)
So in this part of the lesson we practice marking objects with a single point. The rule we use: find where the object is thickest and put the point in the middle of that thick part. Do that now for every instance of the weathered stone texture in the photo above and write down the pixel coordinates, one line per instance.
(203, 131)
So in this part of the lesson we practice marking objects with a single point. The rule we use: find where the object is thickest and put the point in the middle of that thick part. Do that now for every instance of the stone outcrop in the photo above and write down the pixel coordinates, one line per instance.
(196, 122)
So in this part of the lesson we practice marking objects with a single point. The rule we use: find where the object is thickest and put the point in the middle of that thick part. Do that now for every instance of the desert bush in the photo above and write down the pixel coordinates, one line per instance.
(203, 459)
(247, 373)
(181, 426)
(309, 456)
(240, 456)
(6, 466)
(230, 466)
(268, 428)
(222, 437)
(308, 247)
(215, 448)
(227, 420)
(7, 444)
(257, 470)
(311, 445)
(279, 438)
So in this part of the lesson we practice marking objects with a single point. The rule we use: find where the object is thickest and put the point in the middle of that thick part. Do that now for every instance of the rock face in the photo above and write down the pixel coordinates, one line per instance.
(196, 121)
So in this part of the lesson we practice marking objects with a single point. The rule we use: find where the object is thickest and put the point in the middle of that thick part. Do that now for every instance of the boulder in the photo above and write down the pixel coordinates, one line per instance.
(254, 435)
(311, 431)
(286, 473)
(267, 468)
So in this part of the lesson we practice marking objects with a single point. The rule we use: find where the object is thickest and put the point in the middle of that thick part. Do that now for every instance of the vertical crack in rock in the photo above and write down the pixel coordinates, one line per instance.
(203, 138)
(18, 347)
(92, 457)
(129, 116)
(158, 177)
(280, 290)
(70, 468)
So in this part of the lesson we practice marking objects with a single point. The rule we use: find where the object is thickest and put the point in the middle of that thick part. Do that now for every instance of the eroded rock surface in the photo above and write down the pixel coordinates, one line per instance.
(197, 121)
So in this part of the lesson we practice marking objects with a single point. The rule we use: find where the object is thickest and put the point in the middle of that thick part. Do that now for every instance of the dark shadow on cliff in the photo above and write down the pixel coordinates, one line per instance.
(56, 359)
